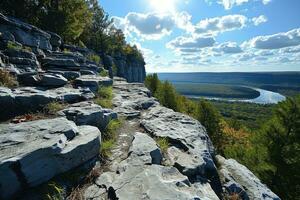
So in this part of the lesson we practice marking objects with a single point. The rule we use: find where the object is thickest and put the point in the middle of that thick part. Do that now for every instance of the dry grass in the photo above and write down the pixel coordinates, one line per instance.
(7, 80)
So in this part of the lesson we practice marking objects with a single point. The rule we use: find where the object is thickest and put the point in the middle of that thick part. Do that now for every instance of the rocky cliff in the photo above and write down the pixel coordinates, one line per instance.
(159, 154)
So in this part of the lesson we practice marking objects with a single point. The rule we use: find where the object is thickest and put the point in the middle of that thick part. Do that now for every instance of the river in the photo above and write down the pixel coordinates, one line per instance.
(265, 97)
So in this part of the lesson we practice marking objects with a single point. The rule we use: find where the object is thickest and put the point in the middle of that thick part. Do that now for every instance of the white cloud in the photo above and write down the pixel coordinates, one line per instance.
(228, 4)
(295, 49)
(153, 26)
(190, 44)
(276, 41)
(266, 1)
(259, 20)
(228, 48)
(221, 24)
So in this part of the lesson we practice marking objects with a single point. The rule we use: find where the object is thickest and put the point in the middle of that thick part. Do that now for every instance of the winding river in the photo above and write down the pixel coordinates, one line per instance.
(265, 97)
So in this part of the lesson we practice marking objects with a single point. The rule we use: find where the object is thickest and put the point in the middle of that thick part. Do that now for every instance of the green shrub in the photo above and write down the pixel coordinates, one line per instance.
(106, 147)
(109, 137)
(13, 45)
(55, 191)
(104, 97)
(7, 80)
(53, 107)
(103, 73)
(163, 144)
(105, 92)
(95, 58)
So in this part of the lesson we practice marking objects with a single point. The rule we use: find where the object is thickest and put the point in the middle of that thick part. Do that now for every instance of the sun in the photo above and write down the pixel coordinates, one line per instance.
(163, 6)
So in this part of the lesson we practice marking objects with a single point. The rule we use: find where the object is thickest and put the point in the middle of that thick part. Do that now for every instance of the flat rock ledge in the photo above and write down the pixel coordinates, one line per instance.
(140, 177)
(189, 141)
(29, 99)
(88, 113)
(34, 152)
(237, 178)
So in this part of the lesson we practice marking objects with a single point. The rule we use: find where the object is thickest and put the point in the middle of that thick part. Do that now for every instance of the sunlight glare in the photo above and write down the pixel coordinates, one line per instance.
(163, 6)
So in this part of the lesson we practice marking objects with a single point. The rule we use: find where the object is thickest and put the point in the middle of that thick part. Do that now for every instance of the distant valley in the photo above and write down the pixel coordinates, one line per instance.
(255, 87)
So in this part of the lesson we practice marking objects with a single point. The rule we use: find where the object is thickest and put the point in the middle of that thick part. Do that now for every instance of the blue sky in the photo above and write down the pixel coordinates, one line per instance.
(211, 35)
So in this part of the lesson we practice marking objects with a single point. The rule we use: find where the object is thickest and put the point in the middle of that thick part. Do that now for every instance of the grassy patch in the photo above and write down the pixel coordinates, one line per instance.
(13, 45)
(7, 80)
(54, 191)
(53, 107)
(109, 137)
(103, 73)
(104, 97)
(163, 144)
(94, 58)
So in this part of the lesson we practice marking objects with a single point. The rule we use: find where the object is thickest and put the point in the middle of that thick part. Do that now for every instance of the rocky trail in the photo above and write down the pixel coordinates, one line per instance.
(52, 150)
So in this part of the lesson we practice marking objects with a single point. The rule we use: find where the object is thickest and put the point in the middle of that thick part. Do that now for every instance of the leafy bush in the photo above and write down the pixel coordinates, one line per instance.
(7, 80)
(95, 58)
(13, 45)
(104, 97)
(163, 144)
(104, 73)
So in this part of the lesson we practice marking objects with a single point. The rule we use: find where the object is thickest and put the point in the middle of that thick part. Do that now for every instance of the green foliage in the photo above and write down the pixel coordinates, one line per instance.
(104, 97)
(13, 45)
(152, 82)
(109, 137)
(106, 147)
(103, 73)
(210, 118)
(166, 95)
(281, 137)
(95, 58)
(7, 80)
(53, 107)
(163, 144)
(55, 191)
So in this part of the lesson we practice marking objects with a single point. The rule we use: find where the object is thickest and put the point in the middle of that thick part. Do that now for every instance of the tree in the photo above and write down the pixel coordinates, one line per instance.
(96, 35)
(68, 18)
(166, 95)
(152, 82)
(210, 118)
(281, 136)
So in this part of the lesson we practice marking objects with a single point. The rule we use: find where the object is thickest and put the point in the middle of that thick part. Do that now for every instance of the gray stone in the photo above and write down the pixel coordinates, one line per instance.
(93, 82)
(88, 113)
(187, 134)
(143, 151)
(50, 63)
(55, 40)
(34, 152)
(25, 34)
(131, 99)
(153, 182)
(132, 71)
(28, 99)
(188, 164)
(52, 80)
(70, 75)
(236, 177)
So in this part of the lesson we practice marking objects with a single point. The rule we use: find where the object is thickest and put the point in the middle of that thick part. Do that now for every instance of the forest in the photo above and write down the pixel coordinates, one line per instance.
(270, 146)
(80, 22)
